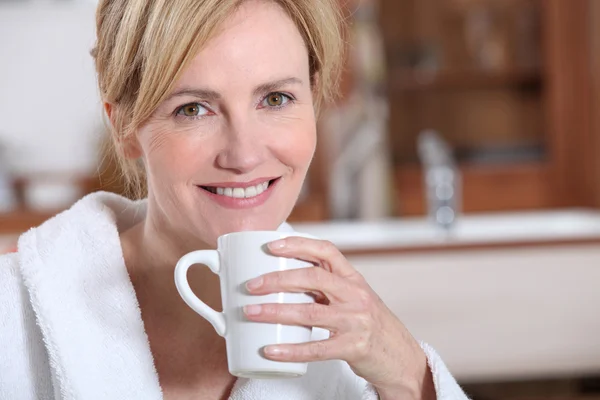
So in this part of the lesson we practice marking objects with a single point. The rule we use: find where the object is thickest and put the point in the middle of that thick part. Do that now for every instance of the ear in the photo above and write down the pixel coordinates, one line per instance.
(108, 109)
(130, 145)
(314, 89)
(315, 80)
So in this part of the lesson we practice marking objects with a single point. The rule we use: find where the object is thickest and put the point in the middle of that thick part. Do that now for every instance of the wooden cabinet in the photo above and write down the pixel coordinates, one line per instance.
(511, 84)
(541, 389)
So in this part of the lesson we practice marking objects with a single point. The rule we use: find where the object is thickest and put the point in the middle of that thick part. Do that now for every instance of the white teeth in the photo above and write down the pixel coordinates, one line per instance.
(250, 191)
(240, 193)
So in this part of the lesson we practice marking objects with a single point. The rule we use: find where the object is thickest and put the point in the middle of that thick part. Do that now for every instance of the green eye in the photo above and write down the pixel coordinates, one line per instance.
(192, 110)
(276, 100)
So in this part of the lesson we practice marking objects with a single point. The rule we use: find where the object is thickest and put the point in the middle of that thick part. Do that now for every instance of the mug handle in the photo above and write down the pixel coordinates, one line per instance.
(210, 258)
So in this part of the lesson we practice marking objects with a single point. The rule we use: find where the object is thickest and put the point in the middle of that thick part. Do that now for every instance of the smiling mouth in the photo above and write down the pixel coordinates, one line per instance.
(241, 192)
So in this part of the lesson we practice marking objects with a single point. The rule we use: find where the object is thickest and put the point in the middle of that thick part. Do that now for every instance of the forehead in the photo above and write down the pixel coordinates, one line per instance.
(258, 42)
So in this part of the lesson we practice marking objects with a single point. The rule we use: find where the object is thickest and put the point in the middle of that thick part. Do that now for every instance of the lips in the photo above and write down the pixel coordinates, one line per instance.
(241, 194)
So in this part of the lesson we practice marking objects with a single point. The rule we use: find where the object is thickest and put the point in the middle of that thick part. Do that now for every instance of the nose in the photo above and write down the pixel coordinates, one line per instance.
(244, 149)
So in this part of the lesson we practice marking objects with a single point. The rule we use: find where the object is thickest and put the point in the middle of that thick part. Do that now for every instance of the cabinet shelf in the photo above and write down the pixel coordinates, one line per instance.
(495, 187)
(404, 80)
(19, 221)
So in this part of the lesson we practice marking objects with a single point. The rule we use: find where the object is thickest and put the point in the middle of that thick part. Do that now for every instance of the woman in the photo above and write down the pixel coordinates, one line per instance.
(215, 100)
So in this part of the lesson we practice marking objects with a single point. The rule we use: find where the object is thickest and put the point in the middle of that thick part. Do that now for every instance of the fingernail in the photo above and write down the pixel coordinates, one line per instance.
(254, 283)
(275, 351)
(252, 309)
(277, 244)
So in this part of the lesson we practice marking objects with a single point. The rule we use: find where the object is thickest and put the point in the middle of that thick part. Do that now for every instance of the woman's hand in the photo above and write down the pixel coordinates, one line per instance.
(364, 332)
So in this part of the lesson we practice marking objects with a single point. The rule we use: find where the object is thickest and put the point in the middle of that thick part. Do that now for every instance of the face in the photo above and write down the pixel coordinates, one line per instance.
(229, 149)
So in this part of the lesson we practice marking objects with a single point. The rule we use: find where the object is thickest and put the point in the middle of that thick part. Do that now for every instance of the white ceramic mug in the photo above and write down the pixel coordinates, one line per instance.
(239, 257)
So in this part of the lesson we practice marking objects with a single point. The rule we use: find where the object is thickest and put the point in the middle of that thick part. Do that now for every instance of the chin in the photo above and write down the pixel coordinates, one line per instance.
(252, 224)
(244, 225)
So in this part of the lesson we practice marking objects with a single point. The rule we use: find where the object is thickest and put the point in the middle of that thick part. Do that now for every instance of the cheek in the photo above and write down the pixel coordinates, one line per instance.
(306, 146)
(305, 149)
(169, 154)
(296, 147)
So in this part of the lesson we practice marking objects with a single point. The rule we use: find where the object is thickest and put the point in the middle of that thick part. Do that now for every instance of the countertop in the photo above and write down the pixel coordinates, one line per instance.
(471, 231)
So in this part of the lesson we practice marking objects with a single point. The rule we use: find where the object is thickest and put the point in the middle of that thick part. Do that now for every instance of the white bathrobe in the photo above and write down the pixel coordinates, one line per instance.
(71, 327)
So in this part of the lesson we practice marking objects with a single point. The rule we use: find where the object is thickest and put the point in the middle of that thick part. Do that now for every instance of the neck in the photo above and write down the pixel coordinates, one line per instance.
(151, 250)
(178, 337)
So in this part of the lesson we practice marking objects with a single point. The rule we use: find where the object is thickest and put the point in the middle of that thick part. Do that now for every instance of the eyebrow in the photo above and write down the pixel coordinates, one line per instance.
(205, 94)
(211, 95)
(278, 84)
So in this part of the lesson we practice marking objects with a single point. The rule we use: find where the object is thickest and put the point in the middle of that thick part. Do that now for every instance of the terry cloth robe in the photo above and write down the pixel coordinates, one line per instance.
(71, 327)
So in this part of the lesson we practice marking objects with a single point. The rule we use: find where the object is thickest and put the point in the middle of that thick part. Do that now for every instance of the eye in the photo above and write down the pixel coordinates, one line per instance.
(275, 100)
(192, 110)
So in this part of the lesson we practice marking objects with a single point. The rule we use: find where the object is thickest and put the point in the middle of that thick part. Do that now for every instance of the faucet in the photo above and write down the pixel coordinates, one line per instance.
(442, 179)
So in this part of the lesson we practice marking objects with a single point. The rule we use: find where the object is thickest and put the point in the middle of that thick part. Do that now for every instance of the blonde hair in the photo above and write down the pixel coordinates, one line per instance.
(138, 61)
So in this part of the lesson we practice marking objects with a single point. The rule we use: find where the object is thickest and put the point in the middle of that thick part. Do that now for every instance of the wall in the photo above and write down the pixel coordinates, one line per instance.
(498, 315)
(50, 112)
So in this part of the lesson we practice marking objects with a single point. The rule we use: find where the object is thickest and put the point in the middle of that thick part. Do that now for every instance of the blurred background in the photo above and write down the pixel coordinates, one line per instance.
(459, 171)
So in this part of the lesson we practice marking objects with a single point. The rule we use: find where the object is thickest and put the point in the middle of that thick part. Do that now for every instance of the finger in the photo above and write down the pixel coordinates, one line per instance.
(310, 315)
(320, 350)
(302, 280)
(319, 297)
(320, 252)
